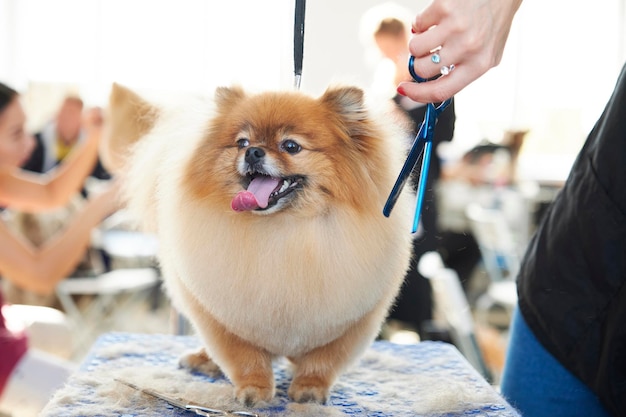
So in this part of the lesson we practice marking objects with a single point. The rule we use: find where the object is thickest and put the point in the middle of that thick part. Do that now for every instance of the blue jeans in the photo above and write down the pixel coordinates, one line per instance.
(537, 384)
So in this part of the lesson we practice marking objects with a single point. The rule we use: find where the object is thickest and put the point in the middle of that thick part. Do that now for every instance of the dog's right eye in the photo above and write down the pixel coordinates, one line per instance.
(243, 143)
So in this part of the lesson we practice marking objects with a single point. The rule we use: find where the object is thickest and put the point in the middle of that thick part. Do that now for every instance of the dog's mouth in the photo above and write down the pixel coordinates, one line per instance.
(263, 191)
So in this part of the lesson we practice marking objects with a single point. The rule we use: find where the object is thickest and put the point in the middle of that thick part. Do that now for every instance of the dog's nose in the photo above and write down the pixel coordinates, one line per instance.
(254, 155)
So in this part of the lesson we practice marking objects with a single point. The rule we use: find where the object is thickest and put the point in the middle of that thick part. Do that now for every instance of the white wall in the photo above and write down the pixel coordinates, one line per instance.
(184, 44)
(558, 69)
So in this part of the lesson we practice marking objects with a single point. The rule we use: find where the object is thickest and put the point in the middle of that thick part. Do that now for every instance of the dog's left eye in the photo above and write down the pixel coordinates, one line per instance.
(243, 143)
(290, 146)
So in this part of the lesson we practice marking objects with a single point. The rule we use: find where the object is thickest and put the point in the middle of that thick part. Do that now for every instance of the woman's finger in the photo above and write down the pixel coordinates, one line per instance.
(430, 16)
(438, 61)
(438, 90)
(421, 45)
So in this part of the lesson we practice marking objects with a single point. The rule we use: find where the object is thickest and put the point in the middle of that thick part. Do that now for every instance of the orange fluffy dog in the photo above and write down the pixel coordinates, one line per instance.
(268, 210)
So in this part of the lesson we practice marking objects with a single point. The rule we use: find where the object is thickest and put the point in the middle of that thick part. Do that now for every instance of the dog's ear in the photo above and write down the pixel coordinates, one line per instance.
(128, 118)
(347, 102)
(226, 97)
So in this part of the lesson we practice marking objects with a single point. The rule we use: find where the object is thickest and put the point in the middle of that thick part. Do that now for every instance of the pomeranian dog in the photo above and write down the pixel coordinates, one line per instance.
(268, 210)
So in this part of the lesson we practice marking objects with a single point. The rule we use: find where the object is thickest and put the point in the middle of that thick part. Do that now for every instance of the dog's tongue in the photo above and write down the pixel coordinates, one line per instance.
(257, 194)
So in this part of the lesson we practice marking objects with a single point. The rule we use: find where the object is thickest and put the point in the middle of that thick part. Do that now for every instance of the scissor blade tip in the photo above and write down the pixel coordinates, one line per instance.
(127, 383)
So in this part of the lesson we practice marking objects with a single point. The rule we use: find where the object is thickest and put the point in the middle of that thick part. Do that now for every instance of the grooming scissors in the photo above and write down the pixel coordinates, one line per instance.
(185, 405)
(422, 146)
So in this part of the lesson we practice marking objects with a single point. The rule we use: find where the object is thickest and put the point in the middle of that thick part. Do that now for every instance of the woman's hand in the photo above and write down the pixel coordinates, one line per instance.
(105, 200)
(472, 35)
(93, 119)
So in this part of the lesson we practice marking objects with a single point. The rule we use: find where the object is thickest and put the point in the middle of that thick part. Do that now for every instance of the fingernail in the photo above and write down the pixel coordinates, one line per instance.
(413, 30)
(401, 91)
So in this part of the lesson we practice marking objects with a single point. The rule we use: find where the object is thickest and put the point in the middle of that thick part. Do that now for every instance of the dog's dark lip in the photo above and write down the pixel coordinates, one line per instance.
(292, 183)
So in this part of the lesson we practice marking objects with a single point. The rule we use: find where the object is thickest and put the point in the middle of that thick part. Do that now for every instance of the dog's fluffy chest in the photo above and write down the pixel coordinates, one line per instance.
(286, 287)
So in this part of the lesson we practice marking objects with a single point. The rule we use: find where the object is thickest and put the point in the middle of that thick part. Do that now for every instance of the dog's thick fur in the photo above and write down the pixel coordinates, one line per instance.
(311, 277)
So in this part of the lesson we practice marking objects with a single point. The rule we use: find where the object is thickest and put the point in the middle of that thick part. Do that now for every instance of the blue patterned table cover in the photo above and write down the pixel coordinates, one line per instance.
(390, 380)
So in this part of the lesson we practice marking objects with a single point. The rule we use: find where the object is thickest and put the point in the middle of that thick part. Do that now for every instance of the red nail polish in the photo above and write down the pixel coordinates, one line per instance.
(413, 31)
(401, 91)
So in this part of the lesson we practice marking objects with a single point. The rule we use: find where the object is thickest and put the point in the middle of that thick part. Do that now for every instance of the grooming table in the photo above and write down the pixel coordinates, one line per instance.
(426, 379)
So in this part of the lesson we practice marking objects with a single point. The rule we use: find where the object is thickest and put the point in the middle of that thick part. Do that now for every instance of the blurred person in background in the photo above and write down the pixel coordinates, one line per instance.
(52, 144)
(59, 136)
(28, 377)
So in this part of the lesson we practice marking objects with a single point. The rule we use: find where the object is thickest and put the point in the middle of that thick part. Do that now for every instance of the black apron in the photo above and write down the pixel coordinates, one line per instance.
(571, 286)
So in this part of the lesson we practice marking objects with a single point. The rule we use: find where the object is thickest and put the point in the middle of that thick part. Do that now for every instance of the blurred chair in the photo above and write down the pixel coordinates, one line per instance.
(451, 304)
(498, 245)
(501, 259)
(125, 273)
(109, 296)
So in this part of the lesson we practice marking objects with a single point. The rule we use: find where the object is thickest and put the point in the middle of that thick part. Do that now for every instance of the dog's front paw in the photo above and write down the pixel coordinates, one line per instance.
(308, 390)
(252, 396)
(199, 361)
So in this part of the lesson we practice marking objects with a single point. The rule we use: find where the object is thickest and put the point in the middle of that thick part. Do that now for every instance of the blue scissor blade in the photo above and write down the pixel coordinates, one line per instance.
(405, 173)
(421, 188)
(430, 119)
